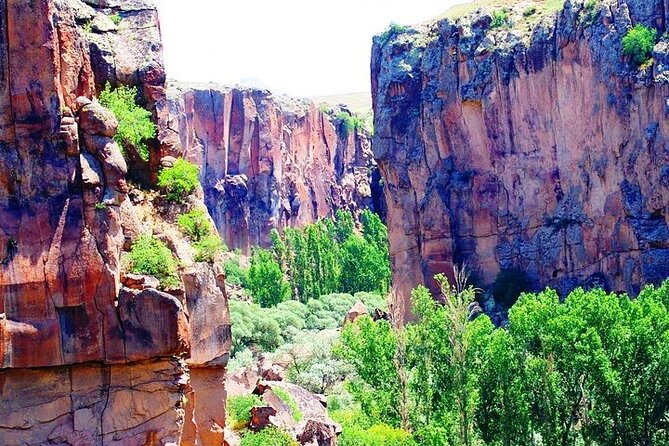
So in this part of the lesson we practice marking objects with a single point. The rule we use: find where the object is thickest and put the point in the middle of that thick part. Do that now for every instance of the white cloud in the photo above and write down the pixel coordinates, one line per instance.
(301, 47)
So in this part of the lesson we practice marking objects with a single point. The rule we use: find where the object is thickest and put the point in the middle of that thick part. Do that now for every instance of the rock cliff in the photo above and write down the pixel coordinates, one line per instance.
(85, 360)
(541, 148)
(268, 161)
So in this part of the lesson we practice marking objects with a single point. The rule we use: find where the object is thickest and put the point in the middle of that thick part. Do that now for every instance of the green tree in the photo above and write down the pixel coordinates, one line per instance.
(364, 267)
(265, 281)
(639, 42)
(134, 122)
(180, 180)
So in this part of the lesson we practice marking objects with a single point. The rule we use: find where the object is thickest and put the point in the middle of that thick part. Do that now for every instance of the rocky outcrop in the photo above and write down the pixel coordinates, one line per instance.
(268, 161)
(84, 360)
(545, 151)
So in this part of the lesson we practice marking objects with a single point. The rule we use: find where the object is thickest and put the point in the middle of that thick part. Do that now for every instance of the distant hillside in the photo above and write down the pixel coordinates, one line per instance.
(360, 103)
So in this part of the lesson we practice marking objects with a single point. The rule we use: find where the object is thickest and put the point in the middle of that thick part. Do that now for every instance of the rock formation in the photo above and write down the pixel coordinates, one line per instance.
(542, 150)
(268, 161)
(84, 360)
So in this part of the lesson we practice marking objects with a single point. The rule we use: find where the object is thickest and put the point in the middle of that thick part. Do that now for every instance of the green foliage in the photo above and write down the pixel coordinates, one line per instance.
(370, 348)
(195, 224)
(326, 257)
(266, 282)
(207, 248)
(590, 371)
(134, 122)
(239, 408)
(348, 123)
(357, 430)
(180, 180)
(269, 436)
(288, 399)
(364, 266)
(198, 228)
(638, 43)
(531, 10)
(235, 274)
(116, 18)
(393, 30)
(500, 18)
(509, 284)
(152, 257)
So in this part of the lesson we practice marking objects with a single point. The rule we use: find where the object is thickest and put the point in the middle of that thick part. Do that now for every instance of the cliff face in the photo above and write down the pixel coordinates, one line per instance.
(267, 161)
(83, 359)
(544, 151)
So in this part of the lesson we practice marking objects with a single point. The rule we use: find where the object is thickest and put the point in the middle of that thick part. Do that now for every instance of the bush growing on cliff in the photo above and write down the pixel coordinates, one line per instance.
(638, 43)
(195, 224)
(208, 248)
(500, 18)
(152, 257)
(180, 180)
(135, 126)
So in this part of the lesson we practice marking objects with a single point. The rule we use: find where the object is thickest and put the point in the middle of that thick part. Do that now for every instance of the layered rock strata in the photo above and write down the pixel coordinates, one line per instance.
(84, 360)
(542, 150)
(268, 161)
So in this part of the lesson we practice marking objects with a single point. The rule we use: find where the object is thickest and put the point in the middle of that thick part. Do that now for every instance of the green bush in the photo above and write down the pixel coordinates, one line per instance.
(195, 224)
(269, 436)
(638, 43)
(392, 30)
(500, 18)
(239, 409)
(530, 11)
(116, 18)
(152, 257)
(288, 399)
(509, 284)
(207, 248)
(234, 273)
(180, 180)
(134, 122)
(357, 430)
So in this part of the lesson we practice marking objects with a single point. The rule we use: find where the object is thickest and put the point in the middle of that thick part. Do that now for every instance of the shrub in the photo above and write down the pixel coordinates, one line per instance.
(134, 122)
(234, 273)
(253, 327)
(195, 224)
(393, 30)
(150, 256)
(207, 248)
(269, 436)
(509, 284)
(180, 180)
(500, 18)
(638, 43)
(239, 409)
(288, 399)
(116, 18)
(530, 11)
(348, 123)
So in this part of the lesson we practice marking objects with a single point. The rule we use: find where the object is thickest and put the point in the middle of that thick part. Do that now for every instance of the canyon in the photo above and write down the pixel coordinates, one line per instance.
(541, 150)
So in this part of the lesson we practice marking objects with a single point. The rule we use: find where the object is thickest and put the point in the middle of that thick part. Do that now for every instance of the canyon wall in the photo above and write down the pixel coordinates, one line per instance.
(85, 360)
(544, 150)
(268, 161)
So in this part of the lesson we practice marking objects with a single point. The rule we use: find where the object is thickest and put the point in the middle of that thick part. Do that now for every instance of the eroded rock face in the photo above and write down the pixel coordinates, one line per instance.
(548, 154)
(267, 161)
(84, 360)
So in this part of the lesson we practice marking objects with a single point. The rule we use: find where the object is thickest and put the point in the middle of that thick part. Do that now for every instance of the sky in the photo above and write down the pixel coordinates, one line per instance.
(299, 47)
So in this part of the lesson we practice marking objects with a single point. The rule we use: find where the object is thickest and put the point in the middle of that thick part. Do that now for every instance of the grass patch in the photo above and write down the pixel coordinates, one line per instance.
(239, 409)
(287, 398)
(152, 257)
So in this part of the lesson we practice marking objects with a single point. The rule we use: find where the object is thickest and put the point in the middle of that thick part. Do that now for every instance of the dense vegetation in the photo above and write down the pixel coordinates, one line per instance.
(134, 122)
(151, 256)
(325, 257)
(179, 181)
(590, 371)
(638, 43)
